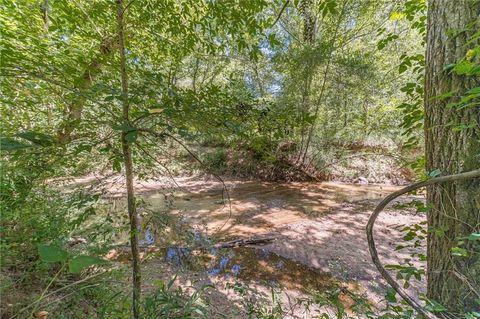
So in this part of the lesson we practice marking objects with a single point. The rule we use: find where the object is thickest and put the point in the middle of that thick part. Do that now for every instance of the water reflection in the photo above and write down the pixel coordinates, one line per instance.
(177, 256)
(251, 264)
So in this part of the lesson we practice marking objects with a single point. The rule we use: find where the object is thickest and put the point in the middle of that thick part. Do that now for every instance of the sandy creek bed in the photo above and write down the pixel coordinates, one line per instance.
(319, 229)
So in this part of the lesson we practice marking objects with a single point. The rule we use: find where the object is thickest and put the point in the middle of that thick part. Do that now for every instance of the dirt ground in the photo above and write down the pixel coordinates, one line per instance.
(319, 229)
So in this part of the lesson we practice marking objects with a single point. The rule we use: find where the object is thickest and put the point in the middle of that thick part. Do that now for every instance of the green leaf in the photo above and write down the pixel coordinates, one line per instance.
(124, 127)
(117, 164)
(465, 68)
(435, 173)
(396, 16)
(131, 136)
(474, 236)
(390, 296)
(37, 138)
(472, 315)
(475, 90)
(449, 67)
(155, 111)
(8, 144)
(434, 306)
(50, 253)
(409, 236)
(459, 252)
(79, 263)
(183, 132)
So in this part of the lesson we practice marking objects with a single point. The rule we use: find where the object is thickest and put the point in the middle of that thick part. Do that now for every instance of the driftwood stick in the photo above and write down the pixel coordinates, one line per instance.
(225, 244)
(245, 242)
(371, 242)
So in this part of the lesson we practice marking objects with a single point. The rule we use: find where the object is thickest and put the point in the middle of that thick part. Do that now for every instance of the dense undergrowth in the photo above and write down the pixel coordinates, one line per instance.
(375, 163)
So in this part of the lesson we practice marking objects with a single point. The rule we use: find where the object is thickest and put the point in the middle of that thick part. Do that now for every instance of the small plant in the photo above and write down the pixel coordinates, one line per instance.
(340, 301)
(170, 302)
(255, 305)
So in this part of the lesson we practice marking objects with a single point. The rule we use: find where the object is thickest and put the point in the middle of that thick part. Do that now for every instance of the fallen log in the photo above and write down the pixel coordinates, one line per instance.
(245, 242)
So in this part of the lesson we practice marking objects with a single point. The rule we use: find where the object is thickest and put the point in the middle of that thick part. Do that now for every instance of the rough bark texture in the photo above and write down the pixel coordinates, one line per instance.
(44, 8)
(306, 8)
(127, 158)
(455, 206)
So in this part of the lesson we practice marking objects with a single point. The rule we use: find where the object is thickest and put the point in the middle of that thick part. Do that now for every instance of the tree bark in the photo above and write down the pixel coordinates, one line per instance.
(127, 157)
(454, 206)
(44, 8)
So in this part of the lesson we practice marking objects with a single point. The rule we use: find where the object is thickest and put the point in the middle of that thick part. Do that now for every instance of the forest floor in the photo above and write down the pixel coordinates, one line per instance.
(320, 242)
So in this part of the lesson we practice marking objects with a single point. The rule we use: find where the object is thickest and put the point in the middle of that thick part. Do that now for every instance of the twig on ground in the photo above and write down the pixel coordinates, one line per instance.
(245, 242)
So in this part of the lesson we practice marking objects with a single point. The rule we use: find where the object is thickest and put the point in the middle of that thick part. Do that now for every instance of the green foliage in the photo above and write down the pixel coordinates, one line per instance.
(81, 262)
(201, 72)
(50, 253)
(170, 302)
(252, 304)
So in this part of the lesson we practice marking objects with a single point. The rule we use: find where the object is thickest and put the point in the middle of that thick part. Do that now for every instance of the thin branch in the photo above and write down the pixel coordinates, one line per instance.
(371, 242)
(59, 290)
(161, 164)
(467, 282)
(324, 83)
(281, 12)
(127, 6)
(225, 192)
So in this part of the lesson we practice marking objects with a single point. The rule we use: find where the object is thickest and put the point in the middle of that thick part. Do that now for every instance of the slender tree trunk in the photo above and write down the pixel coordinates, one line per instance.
(44, 8)
(306, 10)
(127, 157)
(455, 206)
(324, 83)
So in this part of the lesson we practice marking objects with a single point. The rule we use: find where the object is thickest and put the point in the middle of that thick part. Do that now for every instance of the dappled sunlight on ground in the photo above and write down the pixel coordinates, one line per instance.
(258, 207)
(319, 229)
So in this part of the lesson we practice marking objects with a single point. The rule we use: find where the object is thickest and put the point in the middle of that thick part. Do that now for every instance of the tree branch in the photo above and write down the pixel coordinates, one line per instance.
(225, 192)
(371, 242)
(281, 12)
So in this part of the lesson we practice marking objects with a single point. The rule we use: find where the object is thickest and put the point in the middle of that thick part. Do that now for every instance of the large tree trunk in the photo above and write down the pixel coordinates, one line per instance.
(454, 207)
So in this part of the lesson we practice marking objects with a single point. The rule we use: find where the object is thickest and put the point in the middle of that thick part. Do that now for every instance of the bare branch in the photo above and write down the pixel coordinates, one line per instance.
(371, 242)
(225, 193)
(281, 12)
(159, 163)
